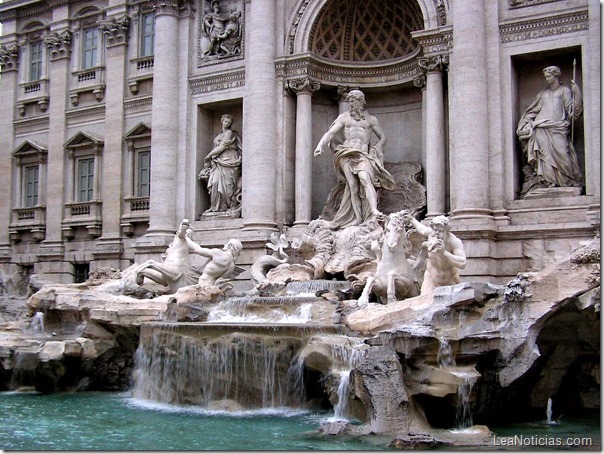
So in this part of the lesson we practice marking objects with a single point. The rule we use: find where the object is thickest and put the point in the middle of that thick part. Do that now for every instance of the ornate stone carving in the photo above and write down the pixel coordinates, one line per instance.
(420, 81)
(434, 63)
(116, 30)
(166, 7)
(9, 57)
(294, 29)
(59, 45)
(544, 27)
(441, 11)
(332, 73)
(220, 30)
(302, 85)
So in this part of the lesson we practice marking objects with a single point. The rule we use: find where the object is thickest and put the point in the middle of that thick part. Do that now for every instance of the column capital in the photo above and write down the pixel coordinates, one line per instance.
(9, 57)
(166, 7)
(116, 30)
(435, 63)
(59, 44)
(302, 85)
(420, 81)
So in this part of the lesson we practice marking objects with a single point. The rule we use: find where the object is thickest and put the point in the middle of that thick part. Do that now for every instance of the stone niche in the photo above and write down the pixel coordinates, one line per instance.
(399, 112)
(528, 82)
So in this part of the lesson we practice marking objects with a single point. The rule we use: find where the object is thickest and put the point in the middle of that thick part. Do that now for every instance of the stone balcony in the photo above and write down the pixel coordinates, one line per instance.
(87, 81)
(136, 209)
(28, 220)
(82, 214)
(140, 69)
(34, 92)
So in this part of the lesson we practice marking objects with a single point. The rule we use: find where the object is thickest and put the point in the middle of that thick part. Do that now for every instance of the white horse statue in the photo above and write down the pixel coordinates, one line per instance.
(395, 278)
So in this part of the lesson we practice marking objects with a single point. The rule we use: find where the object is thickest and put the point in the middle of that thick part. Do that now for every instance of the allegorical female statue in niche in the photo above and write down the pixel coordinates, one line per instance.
(544, 131)
(222, 170)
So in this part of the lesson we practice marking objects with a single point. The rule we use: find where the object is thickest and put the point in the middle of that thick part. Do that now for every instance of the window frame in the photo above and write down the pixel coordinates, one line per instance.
(143, 51)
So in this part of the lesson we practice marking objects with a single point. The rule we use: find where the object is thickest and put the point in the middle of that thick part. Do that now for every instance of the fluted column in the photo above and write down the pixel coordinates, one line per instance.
(164, 114)
(435, 170)
(259, 110)
(303, 88)
(469, 127)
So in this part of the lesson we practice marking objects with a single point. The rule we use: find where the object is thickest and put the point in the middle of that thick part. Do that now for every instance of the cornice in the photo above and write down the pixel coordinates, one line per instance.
(85, 112)
(328, 73)
(215, 82)
(138, 102)
(544, 27)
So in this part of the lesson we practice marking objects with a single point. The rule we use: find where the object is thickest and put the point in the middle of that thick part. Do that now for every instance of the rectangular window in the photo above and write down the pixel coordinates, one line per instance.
(148, 35)
(81, 271)
(91, 42)
(35, 62)
(85, 180)
(144, 174)
(31, 186)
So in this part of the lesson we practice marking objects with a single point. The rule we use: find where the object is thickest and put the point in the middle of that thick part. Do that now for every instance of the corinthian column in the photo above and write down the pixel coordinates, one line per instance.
(469, 124)
(303, 88)
(260, 161)
(434, 134)
(164, 114)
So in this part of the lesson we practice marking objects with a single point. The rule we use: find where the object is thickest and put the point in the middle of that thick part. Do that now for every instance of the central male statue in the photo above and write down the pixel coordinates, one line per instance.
(359, 167)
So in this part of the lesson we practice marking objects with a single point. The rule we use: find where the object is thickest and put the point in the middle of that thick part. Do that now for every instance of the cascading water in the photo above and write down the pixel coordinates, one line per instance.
(36, 326)
(549, 414)
(444, 356)
(349, 357)
(186, 367)
(463, 412)
(446, 360)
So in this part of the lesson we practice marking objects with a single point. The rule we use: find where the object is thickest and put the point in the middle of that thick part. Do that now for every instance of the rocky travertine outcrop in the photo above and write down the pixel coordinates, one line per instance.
(511, 347)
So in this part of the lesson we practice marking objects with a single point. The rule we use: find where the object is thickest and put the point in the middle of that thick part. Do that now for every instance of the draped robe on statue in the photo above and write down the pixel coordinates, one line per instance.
(545, 126)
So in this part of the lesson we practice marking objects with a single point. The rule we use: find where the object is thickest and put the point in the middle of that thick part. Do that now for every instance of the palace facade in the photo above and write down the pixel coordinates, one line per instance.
(109, 108)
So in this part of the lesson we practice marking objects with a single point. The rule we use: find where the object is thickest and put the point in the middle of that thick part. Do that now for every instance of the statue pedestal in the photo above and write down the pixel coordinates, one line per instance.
(546, 193)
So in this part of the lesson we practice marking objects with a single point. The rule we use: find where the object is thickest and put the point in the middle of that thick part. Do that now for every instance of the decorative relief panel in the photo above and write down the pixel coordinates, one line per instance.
(539, 28)
(220, 31)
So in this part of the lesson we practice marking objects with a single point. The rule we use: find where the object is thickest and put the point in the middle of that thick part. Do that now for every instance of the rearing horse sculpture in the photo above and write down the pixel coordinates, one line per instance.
(394, 276)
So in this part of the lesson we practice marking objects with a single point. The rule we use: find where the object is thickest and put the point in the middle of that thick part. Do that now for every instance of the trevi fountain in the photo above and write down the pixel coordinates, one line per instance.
(362, 318)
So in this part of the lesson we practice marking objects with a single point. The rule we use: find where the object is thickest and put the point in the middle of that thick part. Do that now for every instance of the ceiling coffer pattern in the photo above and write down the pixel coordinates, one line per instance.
(366, 30)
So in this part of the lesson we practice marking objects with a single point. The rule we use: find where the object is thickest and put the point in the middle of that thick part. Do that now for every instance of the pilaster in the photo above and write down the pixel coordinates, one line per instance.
(115, 29)
(8, 93)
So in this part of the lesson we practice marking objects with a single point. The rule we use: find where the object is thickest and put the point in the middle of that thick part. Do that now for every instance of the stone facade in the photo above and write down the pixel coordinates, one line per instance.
(110, 107)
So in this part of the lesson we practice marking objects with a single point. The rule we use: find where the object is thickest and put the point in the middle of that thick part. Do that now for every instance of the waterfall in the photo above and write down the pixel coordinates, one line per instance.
(444, 357)
(348, 357)
(36, 326)
(184, 367)
(279, 309)
(463, 412)
(446, 360)
(549, 414)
